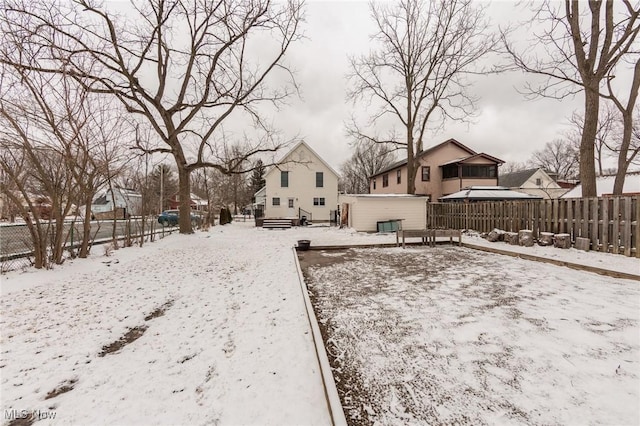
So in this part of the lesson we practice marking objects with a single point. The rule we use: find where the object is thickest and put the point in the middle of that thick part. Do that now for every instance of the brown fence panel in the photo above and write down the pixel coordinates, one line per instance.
(610, 223)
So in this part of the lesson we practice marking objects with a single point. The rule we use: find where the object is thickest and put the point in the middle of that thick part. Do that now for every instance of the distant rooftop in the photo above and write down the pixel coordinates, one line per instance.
(488, 193)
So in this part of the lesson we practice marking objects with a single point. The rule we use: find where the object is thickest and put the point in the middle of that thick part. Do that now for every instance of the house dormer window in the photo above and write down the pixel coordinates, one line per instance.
(538, 182)
(284, 179)
(319, 179)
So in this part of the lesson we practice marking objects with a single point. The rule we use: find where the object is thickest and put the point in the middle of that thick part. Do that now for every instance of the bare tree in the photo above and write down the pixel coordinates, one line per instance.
(35, 131)
(605, 141)
(182, 66)
(368, 159)
(626, 151)
(558, 156)
(512, 167)
(581, 47)
(417, 73)
(96, 155)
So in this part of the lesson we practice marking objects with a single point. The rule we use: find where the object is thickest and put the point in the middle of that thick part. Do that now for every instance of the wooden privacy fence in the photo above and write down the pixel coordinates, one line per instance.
(610, 223)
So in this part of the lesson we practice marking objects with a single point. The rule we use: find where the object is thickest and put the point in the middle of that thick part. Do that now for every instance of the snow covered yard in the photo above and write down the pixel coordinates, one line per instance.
(210, 328)
(451, 335)
(222, 335)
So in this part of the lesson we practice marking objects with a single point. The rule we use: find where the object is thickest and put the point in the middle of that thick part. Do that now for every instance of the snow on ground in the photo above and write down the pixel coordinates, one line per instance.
(451, 335)
(233, 345)
(222, 336)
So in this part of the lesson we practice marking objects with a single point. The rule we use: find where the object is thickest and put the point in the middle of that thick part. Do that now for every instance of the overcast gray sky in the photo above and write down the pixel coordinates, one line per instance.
(507, 126)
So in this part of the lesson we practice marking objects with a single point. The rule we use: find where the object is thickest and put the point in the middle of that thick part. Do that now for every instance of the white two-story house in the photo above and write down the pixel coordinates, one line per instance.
(302, 184)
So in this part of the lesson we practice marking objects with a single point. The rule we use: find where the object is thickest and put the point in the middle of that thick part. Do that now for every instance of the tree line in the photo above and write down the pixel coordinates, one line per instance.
(90, 89)
(417, 76)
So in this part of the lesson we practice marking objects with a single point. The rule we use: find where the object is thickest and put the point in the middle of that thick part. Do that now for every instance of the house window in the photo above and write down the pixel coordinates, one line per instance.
(284, 179)
(319, 179)
(318, 201)
(374, 184)
(479, 171)
(275, 201)
(399, 176)
(385, 180)
(426, 173)
(290, 203)
(538, 182)
(450, 171)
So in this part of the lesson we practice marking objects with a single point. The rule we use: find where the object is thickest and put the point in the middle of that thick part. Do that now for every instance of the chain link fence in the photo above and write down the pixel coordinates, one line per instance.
(16, 243)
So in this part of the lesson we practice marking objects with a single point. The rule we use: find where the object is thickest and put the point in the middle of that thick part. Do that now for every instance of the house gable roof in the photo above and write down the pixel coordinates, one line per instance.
(515, 179)
(427, 151)
(294, 149)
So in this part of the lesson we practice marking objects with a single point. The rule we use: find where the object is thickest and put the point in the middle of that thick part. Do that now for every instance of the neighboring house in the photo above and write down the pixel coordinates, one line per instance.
(488, 193)
(128, 200)
(302, 184)
(40, 203)
(442, 170)
(197, 203)
(534, 182)
(604, 186)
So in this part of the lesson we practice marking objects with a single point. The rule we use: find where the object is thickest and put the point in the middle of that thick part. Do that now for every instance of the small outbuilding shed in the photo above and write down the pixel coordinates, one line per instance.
(363, 211)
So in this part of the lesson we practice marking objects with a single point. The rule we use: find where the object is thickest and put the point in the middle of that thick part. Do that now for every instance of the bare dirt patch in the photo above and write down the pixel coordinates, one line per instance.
(455, 336)
(130, 336)
(159, 311)
(64, 388)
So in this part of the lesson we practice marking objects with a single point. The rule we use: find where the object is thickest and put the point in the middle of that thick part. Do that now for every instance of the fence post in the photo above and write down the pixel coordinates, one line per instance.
(637, 233)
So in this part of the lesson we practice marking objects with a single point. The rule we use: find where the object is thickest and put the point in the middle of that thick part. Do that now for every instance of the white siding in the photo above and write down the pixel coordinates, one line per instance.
(302, 166)
(365, 211)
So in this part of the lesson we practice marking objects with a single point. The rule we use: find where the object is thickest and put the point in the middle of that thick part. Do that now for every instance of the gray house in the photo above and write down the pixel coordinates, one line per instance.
(126, 200)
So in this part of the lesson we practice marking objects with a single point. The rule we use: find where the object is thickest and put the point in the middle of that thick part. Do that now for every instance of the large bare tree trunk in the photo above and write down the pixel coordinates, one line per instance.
(624, 158)
(86, 229)
(411, 183)
(587, 152)
(184, 194)
(580, 47)
(430, 47)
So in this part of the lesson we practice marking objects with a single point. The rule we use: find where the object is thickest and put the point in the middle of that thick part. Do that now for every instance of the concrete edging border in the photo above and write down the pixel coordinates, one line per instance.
(577, 266)
(330, 391)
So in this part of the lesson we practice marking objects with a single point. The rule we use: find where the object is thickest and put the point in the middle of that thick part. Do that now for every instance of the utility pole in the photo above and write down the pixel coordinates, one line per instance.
(161, 188)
